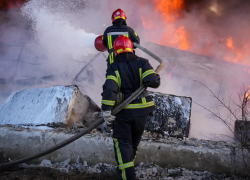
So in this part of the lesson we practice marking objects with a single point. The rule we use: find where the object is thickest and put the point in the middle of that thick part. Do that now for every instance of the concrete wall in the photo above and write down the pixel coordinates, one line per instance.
(216, 158)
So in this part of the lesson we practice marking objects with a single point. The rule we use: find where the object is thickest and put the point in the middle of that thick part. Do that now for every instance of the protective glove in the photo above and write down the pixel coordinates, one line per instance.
(155, 83)
(158, 79)
(108, 118)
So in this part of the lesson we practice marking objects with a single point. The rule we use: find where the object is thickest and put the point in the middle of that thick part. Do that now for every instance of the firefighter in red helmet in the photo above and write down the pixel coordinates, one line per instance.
(123, 77)
(118, 28)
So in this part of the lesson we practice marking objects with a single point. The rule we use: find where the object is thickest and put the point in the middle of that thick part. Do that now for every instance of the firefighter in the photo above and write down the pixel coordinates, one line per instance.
(123, 77)
(119, 27)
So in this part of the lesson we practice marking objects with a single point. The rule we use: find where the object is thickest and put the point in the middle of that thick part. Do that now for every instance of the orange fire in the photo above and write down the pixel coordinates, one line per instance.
(176, 38)
(181, 38)
(170, 9)
(166, 26)
(247, 92)
(234, 54)
(168, 12)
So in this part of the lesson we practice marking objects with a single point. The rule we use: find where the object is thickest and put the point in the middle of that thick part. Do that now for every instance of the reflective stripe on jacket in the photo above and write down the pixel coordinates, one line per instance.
(112, 32)
(127, 74)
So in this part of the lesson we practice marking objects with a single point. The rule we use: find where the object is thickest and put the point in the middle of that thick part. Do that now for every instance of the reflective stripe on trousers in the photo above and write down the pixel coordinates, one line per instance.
(122, 166)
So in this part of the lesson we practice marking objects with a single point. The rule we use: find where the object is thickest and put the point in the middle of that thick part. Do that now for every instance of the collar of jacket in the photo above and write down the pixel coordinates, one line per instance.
(119, 22)
(126, 57)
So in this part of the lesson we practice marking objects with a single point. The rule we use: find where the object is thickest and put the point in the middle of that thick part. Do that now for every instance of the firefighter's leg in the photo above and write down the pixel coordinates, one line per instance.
(123, 147)
(137, 131)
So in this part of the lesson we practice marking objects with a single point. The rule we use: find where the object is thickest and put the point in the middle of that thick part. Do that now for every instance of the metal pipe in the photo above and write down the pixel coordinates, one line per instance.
(94, 125)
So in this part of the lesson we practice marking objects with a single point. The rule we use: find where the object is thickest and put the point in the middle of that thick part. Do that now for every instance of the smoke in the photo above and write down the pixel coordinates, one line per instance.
(206, 28)
(203, 27)
(61, 41)
(57, 42)
(60, 37)
(225, 20)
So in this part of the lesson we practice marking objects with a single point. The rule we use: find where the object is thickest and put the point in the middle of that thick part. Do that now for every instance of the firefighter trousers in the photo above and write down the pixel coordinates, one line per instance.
(127, 132)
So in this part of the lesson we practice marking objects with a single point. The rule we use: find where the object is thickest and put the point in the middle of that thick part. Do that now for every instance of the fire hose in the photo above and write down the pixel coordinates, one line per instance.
(94, 125)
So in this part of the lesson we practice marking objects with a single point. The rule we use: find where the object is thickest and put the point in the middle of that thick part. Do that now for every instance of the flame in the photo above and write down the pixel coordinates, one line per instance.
(230, 42)
(166, 25)
(248, 92)
(169, 74)
(181, 38)
(168, 11)
(170, 8)
(235, 54)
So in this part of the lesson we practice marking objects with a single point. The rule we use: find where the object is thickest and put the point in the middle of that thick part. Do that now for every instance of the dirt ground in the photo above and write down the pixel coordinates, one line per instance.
(51, 174)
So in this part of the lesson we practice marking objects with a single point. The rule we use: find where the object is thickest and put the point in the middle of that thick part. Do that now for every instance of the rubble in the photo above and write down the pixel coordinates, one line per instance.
(144, 171)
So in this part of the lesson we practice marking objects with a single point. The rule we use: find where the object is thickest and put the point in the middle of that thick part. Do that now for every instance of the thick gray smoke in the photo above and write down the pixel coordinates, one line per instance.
(60, 41)
(219, 21)
(208, 24)
(58, 31)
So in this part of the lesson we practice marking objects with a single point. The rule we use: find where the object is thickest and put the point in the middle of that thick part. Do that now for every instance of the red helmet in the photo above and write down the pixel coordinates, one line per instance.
(123, 44)
(118, 14)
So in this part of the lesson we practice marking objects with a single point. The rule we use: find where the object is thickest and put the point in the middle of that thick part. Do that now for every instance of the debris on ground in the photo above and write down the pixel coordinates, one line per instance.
(81, 170)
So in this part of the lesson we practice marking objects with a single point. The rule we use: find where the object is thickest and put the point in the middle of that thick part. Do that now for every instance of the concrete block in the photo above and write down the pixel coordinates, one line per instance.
(59, 104)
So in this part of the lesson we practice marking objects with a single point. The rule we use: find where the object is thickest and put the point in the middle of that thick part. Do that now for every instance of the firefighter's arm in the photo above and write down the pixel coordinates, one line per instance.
(134, 37)
(149, 77)
(104, 39)
(110, 89)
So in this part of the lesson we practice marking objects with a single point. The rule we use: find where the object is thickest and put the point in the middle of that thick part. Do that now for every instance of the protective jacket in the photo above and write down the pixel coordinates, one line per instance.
(112, 32)
(126, 75)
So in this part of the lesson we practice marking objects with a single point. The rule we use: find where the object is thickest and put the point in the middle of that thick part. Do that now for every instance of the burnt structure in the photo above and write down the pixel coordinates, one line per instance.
(242, 131)
(171, 116)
